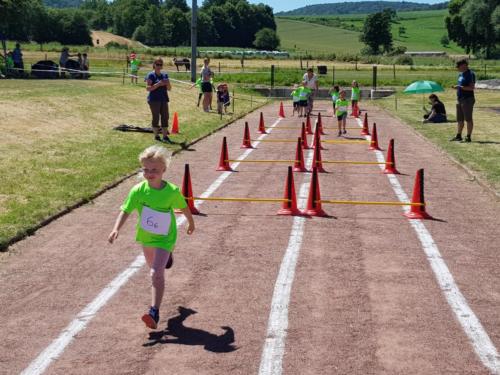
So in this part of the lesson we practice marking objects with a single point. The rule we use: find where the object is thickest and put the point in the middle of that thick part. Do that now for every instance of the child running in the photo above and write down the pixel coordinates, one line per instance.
(154, 199)
(304, 93)
(296, 99)
(334, 93)
(355, 94)
(342, 105)
(198, 85)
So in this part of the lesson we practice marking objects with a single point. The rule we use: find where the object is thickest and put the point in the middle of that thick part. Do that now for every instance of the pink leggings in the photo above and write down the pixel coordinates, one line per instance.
(158, 275)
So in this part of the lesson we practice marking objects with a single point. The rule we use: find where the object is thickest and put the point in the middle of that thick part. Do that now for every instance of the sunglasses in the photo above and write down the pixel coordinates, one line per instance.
(158, 64)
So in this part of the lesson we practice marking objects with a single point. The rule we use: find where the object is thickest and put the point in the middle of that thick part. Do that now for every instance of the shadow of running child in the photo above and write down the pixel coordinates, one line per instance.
(182, 335)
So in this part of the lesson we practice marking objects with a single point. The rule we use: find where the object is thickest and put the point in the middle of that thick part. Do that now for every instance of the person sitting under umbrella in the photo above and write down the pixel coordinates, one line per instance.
(438, 111)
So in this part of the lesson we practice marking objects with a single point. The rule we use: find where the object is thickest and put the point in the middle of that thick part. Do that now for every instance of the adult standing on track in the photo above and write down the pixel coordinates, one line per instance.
(311, 81)
(206, 84)
(157, 86)
(465, 100)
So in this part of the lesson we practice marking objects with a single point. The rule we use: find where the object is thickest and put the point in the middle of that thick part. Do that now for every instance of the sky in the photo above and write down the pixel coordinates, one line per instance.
(285, 5)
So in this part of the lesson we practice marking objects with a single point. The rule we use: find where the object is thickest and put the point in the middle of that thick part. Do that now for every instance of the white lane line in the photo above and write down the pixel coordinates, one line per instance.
(274, 347)
(57, 347)
(481, 342)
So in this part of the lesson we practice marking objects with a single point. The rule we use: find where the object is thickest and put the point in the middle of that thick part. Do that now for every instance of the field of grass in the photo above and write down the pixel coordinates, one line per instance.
(424, 30)
(301, 36)
(58, 146)
(482, 155)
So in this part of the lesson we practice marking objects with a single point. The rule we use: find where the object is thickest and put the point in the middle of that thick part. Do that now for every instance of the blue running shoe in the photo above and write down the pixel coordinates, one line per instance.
(152, 318)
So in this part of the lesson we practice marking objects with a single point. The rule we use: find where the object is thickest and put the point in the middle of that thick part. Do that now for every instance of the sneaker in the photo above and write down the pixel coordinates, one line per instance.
(457, 138)
(157, 138)
(344, 131)
(170, 261)
(467, 139)
(152, 318)
(340, 134)
(166, 139)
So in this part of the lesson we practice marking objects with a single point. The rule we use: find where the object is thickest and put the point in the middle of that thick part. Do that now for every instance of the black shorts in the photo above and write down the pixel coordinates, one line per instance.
(206, 87)
(342, 116)
(295, 104)
(303, 103)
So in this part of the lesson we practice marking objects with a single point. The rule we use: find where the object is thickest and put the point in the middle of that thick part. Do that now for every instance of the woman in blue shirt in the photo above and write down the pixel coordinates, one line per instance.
(158, 86)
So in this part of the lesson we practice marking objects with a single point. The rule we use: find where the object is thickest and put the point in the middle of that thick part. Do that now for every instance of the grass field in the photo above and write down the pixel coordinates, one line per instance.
(58, 146)
(424, 30)
(482, 155)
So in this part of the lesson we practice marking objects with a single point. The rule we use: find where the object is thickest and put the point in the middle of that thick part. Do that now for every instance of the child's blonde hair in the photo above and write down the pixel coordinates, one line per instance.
(156, 153)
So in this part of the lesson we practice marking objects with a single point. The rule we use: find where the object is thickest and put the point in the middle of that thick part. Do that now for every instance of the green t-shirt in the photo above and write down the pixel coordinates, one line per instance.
(304, 93)
(198, 84)
(134, 65)
(295, 95)
(341, 106)
(355, 93)
(158, 206)
(335, 96)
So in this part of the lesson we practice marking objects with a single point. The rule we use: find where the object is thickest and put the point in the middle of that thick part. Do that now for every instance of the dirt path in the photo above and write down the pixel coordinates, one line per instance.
(364, 299)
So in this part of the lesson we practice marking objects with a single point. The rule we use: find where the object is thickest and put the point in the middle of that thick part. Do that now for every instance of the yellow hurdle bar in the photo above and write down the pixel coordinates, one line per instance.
(275, 140)
(261, 161)
(347, 128)
(371, 203)
(351, 162)
(339, 141)
(260, 200)
(283, 127)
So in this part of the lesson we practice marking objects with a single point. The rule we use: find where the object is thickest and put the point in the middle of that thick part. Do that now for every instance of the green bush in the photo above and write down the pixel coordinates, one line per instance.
(403, 60)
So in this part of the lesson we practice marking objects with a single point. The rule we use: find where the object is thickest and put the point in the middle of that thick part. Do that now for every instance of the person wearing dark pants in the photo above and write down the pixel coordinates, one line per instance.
(465, 101)
(158, 85)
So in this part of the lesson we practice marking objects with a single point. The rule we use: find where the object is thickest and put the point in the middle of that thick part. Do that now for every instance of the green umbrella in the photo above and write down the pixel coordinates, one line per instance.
(422, 87)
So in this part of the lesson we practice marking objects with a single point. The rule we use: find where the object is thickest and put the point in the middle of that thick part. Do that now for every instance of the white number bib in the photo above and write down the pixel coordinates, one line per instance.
(155, 222)
(342, 108)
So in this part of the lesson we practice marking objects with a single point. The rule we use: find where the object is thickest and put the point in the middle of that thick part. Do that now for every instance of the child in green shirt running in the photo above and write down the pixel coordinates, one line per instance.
(355, 94)
(304, 93)
(155, 200)
(295, 98)
(342, 105)
(135, 65)
(334, 93)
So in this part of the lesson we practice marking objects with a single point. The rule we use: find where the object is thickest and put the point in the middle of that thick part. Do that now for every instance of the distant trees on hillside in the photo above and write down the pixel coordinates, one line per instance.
(475, 26)
(377, 32)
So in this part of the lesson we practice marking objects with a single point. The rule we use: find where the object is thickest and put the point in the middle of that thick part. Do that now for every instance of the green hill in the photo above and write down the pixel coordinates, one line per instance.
(423, 32)
(305, 36)
(359, 7)
(63, 3)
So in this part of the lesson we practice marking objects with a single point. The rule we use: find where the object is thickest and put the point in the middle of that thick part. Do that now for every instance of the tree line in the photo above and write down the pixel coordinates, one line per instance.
(231, 23)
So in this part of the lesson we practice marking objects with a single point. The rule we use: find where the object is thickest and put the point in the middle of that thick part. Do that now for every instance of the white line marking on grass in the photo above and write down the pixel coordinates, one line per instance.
(57, 347)
(481, 342)
(271, 361)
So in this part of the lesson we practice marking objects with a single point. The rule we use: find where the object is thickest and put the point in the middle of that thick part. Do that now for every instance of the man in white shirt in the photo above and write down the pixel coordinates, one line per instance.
(311, 81)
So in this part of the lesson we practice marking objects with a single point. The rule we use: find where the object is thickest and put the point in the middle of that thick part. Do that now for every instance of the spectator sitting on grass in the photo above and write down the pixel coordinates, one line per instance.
(438, 111)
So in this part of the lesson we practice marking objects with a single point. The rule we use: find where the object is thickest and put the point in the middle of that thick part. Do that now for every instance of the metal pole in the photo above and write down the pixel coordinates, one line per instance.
(272, 76)
(394, 71)
(374, 83)
(333, 75)
(194, 39)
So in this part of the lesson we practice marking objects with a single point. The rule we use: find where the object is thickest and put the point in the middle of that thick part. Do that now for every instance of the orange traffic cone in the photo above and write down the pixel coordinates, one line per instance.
(390, 161)
(282, 111)
(374, 140)
(224, 157)
(187, 190)
(298, 165)
(247, 142)
(317, 162)
(314, 199)
(175, 124)
(289, 206)
(303, 136)
(355, 110)
(317, 139)
(365, 130)
(320, 124)
(308, 125)
(418, 212)
(262, 127)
